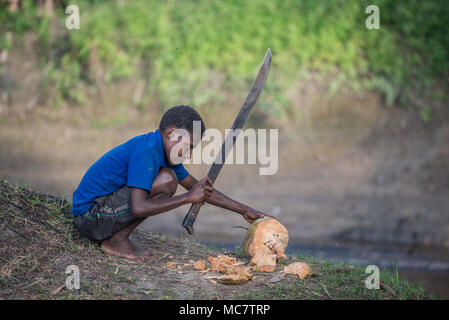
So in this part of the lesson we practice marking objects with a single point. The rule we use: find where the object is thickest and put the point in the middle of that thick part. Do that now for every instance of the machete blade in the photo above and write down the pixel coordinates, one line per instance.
(243, 115)
(230, 139)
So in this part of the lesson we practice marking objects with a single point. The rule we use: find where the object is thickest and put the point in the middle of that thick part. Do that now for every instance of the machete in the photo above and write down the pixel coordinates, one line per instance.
(243, 115)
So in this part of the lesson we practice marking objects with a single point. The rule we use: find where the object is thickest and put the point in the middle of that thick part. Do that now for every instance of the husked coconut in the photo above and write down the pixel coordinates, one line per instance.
(266, 236)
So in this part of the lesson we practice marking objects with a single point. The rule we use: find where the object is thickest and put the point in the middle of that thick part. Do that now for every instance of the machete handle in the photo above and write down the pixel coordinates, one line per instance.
(190, 217)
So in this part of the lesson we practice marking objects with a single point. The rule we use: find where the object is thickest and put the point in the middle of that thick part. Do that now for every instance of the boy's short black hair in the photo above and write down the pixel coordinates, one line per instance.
(181, 117)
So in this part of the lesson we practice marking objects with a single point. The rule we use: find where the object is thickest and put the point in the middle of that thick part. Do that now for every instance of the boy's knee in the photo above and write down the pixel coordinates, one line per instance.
(167, 182)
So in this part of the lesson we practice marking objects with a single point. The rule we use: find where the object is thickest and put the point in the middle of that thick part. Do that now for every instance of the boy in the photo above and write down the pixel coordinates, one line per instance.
(138, 179)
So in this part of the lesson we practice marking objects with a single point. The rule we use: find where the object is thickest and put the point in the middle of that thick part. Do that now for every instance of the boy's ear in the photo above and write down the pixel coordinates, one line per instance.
(175, 133)
(169, 132)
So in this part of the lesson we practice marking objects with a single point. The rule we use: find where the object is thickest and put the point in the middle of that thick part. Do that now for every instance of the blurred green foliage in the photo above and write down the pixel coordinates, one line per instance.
(194, 51)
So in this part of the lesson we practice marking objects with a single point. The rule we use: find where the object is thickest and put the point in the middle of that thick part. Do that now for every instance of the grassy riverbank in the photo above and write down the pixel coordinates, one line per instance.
(38, 242)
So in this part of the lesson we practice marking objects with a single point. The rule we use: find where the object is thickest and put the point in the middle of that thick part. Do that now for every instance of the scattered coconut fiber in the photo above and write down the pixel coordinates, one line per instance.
(232, 269)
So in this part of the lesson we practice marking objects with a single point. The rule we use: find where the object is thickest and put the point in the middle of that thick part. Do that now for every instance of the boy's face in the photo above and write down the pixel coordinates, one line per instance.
(178, 145)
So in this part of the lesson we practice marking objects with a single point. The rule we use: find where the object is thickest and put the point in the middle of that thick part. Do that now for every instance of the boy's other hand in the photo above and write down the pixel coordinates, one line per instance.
(252, 215)
(201, 191)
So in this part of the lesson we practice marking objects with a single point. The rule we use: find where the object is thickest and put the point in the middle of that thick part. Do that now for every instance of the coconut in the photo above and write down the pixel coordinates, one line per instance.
(266, 236)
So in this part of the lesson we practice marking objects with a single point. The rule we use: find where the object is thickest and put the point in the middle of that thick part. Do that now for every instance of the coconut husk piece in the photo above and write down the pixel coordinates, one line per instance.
(264, 262)
(232, 269)
(231, 279)
(301, 269)
(225, 264)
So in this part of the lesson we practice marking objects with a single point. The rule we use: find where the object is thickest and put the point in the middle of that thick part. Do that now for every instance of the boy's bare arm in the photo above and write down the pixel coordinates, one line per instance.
(143, 206)
(221, 200)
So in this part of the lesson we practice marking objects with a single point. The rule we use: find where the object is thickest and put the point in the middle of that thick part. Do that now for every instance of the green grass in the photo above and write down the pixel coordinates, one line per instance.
(330, 281)
(195, 52)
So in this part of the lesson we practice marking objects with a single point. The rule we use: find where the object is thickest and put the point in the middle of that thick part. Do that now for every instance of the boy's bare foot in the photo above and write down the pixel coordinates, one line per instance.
(123, 248)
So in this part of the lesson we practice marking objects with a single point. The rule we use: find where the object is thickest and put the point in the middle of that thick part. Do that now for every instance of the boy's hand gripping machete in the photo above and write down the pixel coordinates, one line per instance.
(243, 115)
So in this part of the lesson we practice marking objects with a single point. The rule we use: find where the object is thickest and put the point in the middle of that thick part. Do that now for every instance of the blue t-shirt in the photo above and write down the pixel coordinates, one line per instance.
(134, 163)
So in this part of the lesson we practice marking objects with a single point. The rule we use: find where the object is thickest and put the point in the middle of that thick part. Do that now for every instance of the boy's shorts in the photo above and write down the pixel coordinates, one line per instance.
(107, 215)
